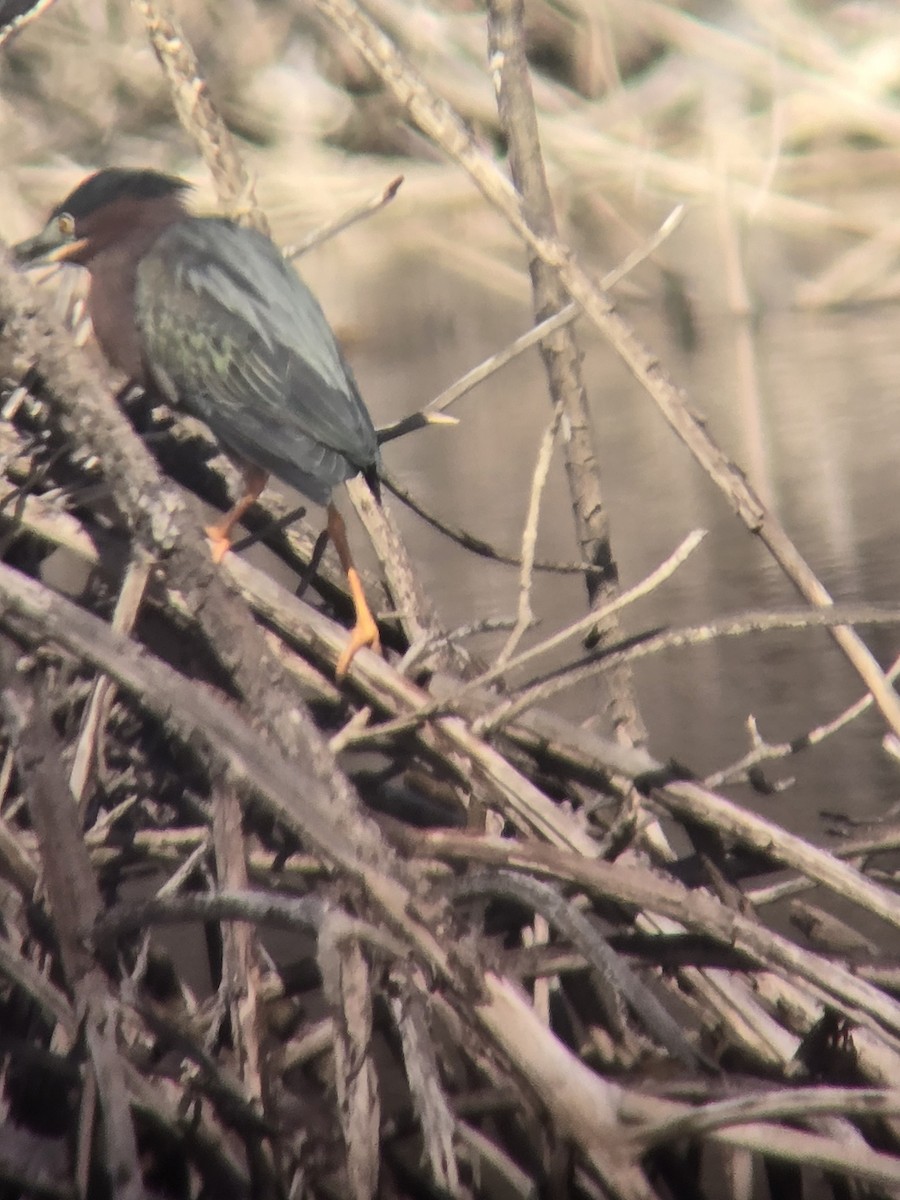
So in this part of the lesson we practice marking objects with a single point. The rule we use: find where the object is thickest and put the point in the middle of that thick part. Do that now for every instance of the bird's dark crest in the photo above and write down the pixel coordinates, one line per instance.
(118, 183)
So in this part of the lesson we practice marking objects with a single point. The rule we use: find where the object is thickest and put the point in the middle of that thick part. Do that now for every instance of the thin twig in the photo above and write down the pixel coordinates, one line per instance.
(417, 651)
(540, 690)
(587, 624)
(525, 616)
(102, 693)
(332, 228)
(763, 751)
(537, 334)
(553, 324)
(472, 542)
(411, 424)
(449, 703)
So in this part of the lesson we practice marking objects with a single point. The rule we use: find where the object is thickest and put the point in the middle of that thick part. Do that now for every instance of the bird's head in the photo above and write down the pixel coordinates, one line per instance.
(105, 209)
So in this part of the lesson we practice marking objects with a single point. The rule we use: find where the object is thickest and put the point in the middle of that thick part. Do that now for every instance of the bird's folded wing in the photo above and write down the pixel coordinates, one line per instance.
(231, 333)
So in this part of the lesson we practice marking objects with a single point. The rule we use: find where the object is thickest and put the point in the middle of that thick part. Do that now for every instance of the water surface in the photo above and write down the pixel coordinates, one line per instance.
(804, 402)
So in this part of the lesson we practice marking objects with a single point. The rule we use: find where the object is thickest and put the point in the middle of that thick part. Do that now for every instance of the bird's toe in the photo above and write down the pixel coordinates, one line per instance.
(219, 542)
(363, 634)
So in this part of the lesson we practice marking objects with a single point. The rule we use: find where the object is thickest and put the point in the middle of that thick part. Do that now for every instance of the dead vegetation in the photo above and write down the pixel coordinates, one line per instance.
(523, 957)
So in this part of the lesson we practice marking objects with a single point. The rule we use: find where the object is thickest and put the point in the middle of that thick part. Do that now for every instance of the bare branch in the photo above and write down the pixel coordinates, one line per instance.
(319, 236)
(566, 919)
(551, 325)
(691, 635)
(525, 615)
(190, 93)
(25, 13)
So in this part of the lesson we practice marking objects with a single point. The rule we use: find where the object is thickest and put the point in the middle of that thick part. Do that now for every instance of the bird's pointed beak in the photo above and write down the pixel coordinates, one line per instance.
(48, 246)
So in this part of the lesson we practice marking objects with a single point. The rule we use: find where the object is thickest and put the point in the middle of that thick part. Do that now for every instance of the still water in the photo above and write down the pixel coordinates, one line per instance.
(803, 402)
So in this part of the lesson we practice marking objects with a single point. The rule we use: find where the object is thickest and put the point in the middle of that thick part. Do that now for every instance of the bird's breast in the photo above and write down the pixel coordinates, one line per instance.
(112, 313)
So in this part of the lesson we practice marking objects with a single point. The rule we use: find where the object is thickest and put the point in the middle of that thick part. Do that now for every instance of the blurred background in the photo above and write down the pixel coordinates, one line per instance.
(773, 303)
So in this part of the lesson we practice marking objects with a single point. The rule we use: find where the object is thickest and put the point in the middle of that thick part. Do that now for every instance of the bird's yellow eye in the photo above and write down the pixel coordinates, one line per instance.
(65, 223)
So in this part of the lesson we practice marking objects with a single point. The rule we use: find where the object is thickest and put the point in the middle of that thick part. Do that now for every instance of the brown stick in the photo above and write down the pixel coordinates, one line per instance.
(240, 973)
(235, 184)
(561, 354)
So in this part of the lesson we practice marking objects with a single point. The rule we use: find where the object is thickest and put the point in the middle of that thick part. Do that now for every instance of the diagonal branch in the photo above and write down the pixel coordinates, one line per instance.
(190, 93)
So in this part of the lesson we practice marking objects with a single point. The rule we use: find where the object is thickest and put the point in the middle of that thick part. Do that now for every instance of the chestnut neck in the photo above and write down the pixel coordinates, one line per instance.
(117, 240)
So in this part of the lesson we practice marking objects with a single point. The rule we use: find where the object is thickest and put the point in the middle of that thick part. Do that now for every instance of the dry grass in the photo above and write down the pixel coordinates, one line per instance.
(786, 115)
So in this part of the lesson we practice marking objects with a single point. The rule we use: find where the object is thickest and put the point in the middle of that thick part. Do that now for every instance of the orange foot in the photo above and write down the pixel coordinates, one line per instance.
(363, 633)
(219, 542)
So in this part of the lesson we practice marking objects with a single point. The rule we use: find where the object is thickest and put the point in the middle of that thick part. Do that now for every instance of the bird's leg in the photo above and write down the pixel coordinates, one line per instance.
(219, 534)
(365, 631)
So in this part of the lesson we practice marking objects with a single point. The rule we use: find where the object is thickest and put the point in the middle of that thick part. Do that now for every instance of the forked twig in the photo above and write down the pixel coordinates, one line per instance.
(448, 703)
(763, 751)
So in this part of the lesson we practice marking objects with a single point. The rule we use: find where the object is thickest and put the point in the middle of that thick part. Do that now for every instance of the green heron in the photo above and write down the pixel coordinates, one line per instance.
(209, 317)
